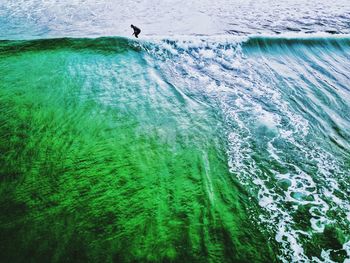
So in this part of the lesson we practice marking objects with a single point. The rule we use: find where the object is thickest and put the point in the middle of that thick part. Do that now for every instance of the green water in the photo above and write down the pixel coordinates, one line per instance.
(102, 160)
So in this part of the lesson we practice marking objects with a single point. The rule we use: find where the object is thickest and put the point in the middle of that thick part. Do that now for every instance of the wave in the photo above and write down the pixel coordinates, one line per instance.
(120, 44)
(284, 104)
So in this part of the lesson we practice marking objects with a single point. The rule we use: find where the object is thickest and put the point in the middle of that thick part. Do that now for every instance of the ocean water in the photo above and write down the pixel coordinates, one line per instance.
(222, 134)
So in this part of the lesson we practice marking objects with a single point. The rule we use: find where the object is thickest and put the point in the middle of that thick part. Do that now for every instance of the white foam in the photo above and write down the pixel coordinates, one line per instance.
(346, 247)
(247, 93)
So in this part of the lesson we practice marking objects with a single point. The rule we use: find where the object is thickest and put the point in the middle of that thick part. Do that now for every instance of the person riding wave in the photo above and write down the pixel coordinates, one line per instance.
(137, 31)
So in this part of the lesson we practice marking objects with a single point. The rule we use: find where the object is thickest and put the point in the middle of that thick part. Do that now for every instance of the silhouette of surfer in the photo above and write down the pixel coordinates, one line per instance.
(137, 31)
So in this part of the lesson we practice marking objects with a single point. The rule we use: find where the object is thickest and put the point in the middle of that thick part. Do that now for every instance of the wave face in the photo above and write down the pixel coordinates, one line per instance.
(193, 149)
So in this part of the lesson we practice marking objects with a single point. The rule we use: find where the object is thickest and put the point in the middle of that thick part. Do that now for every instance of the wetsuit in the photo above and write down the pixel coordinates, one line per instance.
(137, 31)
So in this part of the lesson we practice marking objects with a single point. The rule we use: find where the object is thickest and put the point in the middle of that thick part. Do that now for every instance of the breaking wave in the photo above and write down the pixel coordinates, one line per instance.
(284, 102)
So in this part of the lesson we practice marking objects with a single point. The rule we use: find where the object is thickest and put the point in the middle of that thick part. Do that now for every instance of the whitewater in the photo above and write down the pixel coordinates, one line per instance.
(221, 135)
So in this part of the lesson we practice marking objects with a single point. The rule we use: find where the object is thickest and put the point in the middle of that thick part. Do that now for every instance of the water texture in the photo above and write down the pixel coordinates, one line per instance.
(221, 146)
(21, 19)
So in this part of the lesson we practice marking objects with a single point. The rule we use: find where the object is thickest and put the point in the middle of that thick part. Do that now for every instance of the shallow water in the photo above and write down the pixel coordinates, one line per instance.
(221, 147)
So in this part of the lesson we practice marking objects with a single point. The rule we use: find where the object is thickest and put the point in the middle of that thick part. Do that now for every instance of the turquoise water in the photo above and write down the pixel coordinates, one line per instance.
(178, 149)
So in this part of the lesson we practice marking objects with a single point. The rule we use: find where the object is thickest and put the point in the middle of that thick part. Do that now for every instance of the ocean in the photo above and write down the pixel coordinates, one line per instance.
(222, 134)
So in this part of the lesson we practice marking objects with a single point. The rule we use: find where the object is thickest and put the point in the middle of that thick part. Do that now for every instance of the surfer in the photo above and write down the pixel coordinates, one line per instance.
(137, 31)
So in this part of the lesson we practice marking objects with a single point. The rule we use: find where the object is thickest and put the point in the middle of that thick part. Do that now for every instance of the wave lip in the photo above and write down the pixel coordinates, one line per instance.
(106, 44)
(173, 45)
(317, 39)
